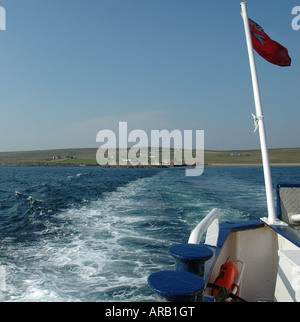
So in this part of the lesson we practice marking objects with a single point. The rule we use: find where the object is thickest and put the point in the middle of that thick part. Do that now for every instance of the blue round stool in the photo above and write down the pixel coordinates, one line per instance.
(191, 257)
(177, 286)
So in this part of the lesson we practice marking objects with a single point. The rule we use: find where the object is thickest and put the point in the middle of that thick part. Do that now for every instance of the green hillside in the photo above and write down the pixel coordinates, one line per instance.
(87, 157)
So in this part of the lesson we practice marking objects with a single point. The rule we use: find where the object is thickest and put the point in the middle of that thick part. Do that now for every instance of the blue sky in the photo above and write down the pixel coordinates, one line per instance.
(70, 68)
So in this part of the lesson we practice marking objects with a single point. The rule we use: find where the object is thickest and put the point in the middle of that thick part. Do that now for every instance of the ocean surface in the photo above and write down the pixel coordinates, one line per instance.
(96, 234)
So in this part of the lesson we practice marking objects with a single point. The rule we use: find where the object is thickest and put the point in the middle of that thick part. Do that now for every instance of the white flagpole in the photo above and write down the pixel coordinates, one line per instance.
(259, 118)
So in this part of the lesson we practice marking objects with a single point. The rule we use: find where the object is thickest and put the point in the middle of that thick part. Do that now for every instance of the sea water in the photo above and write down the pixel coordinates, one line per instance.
(96, 234)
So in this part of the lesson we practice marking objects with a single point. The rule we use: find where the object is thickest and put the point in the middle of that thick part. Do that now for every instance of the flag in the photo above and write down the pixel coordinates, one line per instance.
(269, 49)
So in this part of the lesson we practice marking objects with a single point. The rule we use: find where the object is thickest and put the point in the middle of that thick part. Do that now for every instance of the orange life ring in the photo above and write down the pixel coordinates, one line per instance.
(227, 276)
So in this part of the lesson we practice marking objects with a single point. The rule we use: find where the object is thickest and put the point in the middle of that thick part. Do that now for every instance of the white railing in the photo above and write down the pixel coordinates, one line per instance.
(210, 225)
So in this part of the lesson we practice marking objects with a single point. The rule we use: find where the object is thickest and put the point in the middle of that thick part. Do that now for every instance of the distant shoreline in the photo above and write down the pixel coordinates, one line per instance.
(86, 157)
(253, 165)
(74, 165)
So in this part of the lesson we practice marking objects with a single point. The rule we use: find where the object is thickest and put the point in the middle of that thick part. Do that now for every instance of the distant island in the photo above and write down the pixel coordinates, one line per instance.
(87, 157)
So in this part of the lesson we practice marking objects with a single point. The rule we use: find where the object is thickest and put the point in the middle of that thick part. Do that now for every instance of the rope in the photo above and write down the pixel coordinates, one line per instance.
(256, 121)
(224, 293)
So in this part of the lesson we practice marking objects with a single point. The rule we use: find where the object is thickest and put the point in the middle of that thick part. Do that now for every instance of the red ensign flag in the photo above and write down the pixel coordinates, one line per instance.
(269, 49)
